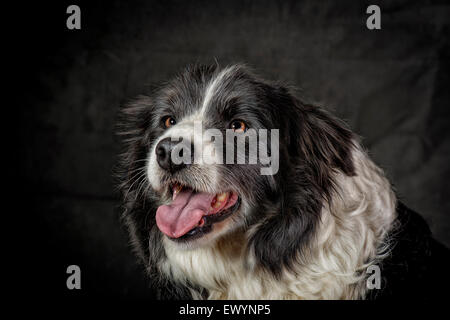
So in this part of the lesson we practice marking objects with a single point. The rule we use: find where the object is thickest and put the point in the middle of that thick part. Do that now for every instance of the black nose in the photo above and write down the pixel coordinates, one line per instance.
(164, 154)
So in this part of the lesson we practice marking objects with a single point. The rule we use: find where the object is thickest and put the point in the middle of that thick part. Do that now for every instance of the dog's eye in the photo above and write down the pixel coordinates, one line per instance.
(168, 121)
(238, 126)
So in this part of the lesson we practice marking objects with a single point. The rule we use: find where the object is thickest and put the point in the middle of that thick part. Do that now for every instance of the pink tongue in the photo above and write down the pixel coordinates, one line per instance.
(184, 213)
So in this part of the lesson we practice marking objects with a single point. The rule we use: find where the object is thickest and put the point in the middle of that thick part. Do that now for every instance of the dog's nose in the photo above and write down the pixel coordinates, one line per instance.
(164, 155)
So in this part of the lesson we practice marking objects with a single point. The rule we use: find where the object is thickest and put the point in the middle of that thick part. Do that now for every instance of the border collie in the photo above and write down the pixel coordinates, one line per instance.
(318, 228)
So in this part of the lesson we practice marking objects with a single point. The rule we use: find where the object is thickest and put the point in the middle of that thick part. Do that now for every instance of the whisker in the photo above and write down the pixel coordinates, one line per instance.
(131, 186)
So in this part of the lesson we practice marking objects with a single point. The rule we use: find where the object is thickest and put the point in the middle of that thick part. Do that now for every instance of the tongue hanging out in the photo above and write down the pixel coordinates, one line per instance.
(187, 210)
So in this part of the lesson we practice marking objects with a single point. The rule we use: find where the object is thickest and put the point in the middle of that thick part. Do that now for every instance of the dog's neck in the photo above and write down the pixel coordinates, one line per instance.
(351, 236)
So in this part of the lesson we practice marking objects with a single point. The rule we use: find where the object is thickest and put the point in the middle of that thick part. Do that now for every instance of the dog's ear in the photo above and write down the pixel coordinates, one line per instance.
(316, 146)
(133, 122)
(132, 132)
(323, 140)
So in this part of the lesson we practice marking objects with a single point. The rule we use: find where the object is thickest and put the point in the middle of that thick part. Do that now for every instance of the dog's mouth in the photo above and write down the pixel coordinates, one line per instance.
(191, 214)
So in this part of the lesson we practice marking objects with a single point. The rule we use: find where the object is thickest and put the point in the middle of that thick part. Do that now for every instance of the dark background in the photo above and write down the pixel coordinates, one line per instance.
(390, 85)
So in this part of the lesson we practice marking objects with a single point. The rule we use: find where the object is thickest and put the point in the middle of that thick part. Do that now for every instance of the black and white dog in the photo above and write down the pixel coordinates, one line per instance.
(317, 228)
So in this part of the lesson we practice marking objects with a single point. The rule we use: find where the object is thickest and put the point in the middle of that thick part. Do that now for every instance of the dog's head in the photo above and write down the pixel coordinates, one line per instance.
(183, 157)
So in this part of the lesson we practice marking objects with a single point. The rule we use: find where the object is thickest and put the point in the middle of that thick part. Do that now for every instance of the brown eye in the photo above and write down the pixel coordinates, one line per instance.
(238, 126)
(169, 121)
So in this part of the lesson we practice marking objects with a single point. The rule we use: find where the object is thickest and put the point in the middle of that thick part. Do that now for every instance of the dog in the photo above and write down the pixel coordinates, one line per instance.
(326, 224)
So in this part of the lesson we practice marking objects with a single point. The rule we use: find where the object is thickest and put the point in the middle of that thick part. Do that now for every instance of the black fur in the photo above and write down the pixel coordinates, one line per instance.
(417, 265)
(318, 145)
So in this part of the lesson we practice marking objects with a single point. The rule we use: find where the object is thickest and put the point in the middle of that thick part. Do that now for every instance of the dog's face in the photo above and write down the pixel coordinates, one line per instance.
(203, 196)
(192, 200)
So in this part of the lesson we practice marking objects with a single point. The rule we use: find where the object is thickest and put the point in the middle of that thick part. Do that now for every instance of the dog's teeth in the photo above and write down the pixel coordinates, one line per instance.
(221, 197)
(176, 189)
(219, 200)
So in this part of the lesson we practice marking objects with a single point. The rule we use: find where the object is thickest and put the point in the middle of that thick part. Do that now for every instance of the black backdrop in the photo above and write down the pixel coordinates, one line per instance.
(390, 85)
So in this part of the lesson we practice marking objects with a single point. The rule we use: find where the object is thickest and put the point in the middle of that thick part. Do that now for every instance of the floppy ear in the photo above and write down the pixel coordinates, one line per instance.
(324, 141)
(132, 124)
(316, 146)
(132, 130)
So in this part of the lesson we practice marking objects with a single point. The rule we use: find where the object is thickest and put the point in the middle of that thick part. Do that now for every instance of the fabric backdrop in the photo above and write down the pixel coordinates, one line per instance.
(390, 85)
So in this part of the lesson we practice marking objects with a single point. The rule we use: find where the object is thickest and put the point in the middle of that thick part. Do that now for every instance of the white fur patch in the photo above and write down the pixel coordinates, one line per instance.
(186, 127)
(212, 87)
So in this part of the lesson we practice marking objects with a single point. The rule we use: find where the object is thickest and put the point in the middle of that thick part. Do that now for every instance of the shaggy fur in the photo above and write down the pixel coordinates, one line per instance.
(308, 232)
